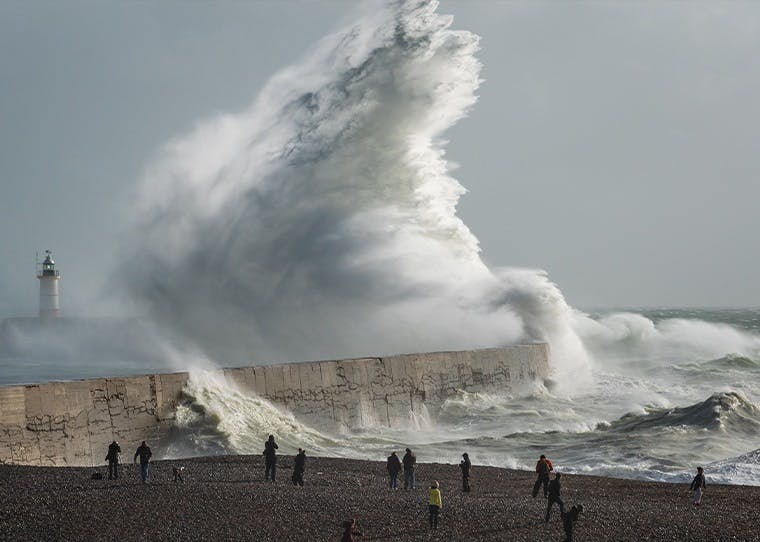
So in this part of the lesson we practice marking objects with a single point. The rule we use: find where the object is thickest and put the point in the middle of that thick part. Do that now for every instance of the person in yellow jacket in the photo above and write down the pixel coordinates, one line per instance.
(434, 504)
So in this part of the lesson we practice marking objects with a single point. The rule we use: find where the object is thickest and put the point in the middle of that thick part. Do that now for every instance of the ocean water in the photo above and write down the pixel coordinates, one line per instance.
(320, 223)
(644, 416)
(652, 409)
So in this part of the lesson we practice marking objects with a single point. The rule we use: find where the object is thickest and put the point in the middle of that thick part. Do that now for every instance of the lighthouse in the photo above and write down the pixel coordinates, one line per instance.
(49, 277)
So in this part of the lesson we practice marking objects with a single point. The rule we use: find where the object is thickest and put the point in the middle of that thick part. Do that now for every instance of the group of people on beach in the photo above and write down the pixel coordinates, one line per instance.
(552, 488)
(544, 467)
(143, 453)
(270, 463)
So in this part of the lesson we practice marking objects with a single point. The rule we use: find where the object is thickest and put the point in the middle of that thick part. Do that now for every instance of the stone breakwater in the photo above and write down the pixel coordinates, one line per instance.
(72, 423)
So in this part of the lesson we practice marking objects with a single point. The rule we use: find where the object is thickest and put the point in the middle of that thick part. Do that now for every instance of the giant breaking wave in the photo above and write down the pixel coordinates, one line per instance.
(321, 221)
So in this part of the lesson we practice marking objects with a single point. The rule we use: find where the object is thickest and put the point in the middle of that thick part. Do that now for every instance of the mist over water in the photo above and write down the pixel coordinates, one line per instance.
(321, 223)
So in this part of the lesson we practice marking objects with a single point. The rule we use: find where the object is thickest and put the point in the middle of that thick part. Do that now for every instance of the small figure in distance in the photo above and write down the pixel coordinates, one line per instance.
(349, 531)
(697, 485)
(299, 467)
(434, 504)
(466, 466)
(270, 458)
(554, 496)
(177, 473)
(113, 460)
(410, 460)
(144, 453)
(394, 467)
(543, 468)
(568, 521)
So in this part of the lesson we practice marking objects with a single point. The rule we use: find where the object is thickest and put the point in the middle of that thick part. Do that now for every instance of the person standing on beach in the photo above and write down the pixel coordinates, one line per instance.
(349, 531)
(299, 467)
(394, 467)
(144, 453)
(434, 504)
(270, 458)
(568, 521)
(114, 450)
(697, 485)
(466, 467)
(554, 496)
(410, 460)
(543, 468)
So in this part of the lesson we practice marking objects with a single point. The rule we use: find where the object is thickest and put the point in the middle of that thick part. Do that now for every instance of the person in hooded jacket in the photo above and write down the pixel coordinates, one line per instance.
(435, 503)
(410, 477)
(299, 467)
(394, 467)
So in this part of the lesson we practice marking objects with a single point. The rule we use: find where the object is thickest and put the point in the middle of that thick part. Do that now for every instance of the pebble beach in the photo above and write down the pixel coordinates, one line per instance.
(226, 498)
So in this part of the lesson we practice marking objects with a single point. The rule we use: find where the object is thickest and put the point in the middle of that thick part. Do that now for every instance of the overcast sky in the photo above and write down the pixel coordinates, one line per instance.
(615, 145)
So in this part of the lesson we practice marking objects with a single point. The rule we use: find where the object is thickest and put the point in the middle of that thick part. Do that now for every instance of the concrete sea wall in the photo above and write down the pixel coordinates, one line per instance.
(72, 423)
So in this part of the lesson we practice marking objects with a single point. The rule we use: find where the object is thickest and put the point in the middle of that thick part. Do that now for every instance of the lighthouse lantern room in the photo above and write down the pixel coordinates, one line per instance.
(49, 277)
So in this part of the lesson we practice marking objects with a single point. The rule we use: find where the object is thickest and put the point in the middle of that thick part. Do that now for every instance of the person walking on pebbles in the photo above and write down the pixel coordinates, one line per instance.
(434, 504)
(394, 467)
(270, 458)
(466, 467)
(543, 468)
(114, 450)
(554, 496)
(697, 485)
(410, 461)
(144, 453)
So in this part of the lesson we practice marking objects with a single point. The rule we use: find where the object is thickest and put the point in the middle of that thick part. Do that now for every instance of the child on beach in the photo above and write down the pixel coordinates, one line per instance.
(434, 504)
(697, 485)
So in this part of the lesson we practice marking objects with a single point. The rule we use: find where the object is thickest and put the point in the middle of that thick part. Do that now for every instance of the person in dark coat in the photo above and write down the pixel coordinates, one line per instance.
(543, 468)
(568, 521)
(144, 453)
(554, 496)
(394, 467)
(299, 467)
(409, 461)
(349, 531)
(270, 458)
(466, 467)
(114, 450)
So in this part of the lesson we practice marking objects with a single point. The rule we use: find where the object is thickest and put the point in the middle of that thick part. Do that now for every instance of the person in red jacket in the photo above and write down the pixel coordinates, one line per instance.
(543, 468)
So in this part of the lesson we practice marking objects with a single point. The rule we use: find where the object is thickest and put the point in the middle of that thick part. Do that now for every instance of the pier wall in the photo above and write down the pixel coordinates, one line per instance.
(72, 423)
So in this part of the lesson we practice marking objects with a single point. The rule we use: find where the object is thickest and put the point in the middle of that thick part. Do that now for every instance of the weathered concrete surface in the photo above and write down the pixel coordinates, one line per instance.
(72, 423)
